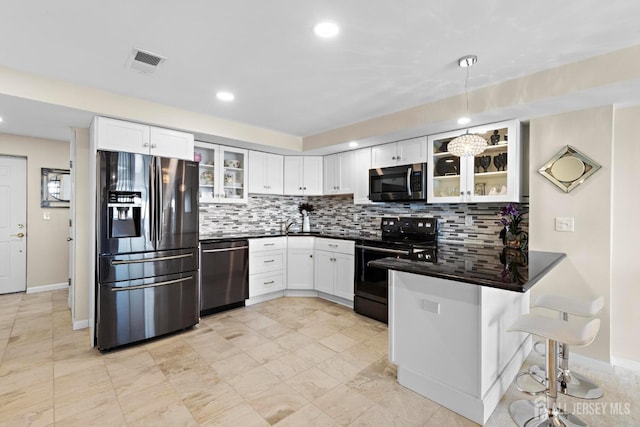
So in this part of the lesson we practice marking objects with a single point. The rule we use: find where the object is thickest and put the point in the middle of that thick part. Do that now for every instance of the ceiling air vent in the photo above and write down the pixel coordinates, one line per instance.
(144, 62)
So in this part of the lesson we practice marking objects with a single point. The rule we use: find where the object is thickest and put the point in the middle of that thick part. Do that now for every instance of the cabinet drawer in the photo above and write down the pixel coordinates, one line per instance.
(266, 282)
(267, 261)
(267, 244)
(335, 245)
(300, 242)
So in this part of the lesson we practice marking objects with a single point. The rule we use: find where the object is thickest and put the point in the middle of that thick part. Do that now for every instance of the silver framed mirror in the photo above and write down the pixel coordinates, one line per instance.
(55, 188)
(568, 168)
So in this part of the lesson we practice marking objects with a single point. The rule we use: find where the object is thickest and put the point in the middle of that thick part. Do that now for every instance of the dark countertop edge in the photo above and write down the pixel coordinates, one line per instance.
(244, 236)
(409, 267)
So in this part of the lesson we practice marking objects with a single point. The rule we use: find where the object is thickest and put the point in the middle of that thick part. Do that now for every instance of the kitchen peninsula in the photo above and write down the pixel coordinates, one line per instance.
(448, 322)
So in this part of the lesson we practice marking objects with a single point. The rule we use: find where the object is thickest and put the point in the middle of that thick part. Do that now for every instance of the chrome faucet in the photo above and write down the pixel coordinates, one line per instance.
(287, 224)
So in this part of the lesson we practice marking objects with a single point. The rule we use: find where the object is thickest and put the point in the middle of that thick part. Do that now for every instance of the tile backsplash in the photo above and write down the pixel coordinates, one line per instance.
(339, 214)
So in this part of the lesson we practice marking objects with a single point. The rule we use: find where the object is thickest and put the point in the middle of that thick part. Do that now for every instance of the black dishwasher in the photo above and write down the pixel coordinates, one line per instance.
(224, 275)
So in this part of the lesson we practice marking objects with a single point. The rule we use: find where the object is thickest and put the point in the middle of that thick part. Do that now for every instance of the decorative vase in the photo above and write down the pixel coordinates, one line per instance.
(517, 240)
(306, 227)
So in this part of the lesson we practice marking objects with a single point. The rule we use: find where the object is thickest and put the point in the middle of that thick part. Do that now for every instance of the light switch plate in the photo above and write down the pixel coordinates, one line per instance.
(564, 224)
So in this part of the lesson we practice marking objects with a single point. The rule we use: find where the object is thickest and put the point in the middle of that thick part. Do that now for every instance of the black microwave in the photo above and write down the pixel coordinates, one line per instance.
(407, 182)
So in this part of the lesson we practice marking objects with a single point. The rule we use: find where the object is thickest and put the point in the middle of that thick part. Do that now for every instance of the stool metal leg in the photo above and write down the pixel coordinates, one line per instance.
(527, 413)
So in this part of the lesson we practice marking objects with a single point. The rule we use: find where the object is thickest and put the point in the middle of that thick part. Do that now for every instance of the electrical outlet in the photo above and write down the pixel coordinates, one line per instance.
(468, 220)
(564, 224)
(46, 215)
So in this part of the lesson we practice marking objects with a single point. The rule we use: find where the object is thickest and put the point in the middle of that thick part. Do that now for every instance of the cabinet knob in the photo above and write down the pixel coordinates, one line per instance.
(310, 256)
(154, 145)
(304, 188)
(398, 158)
(146, 144)
(462, 193)
(393, 158)
(299, 188)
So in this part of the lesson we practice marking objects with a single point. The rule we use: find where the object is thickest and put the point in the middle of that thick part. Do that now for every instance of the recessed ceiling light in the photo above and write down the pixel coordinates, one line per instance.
(225, 96)
(1, 119)
(464, 120)
(326, 29)
(353, 144)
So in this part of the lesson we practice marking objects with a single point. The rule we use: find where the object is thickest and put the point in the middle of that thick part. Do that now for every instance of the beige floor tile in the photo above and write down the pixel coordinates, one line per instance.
(107, 413)
(315, 353)
(15, 374)
(287, 365)
(232, 367)
(134, 373)
(210, 403)
(266, 351)
(293, 340)
(343, 404)
(260, 322)
(3, 345)
(338, 342)
(249, 340)
(83, 384)
(278, 403)
(242, 415)
(308, 416)
(339, 368)
(359, 332)
(407, 404)
(32, 402)
(312, 383)
(173, 415)
(317, 332)
(194, 379)
(148, 401)
(445, 417)
(359, 355)
(255, 382)
(379, 416)
(275, 331)
(374, 385)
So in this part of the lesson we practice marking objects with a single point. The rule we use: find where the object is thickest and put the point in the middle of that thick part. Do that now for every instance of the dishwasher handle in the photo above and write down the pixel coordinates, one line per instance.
(237, 248)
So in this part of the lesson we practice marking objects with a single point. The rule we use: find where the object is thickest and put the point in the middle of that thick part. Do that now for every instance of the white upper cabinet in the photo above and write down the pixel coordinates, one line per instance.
(120, 135)
(492, 176)
(303, 175)
(266, 173)
(222, 173)
(338, 173)
(361, 166)
(171, 143)
(399, 153)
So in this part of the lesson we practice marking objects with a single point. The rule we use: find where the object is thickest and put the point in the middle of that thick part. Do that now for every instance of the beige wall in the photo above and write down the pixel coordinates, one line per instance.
(587, 270)
(47, 247)
(83, 276)
(625, 315)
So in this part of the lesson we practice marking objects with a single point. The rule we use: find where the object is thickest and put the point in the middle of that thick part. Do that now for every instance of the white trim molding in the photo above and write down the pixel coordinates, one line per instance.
(47, 288)
(629, 364)
(80, 324)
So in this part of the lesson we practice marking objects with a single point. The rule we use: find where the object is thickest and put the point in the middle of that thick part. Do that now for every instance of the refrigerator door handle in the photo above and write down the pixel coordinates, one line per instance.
(152, 285)
(160, 203)
(142, 260)
(152, 201)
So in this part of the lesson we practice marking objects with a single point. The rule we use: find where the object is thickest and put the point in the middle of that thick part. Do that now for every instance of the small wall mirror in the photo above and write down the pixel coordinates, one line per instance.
(55, 188)
(569, 168)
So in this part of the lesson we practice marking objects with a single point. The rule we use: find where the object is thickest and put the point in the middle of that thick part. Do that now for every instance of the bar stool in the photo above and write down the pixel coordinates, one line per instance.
(526, 412)
(571, 383)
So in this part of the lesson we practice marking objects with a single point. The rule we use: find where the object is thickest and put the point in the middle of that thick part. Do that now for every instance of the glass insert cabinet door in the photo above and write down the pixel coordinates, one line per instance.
(492, 176)
(222, 173)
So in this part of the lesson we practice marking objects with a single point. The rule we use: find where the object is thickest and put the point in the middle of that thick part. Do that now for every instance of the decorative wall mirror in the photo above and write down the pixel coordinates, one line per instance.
(569, 168)
(55, 188)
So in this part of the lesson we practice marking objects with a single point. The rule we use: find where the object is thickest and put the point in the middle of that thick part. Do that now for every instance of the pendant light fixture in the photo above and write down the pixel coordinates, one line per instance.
(468, 144)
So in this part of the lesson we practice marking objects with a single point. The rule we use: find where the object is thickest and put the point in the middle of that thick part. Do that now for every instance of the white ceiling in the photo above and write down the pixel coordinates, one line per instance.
(389, 56)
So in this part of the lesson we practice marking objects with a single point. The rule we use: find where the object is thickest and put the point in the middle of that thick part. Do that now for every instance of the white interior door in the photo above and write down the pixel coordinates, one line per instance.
(13, 221)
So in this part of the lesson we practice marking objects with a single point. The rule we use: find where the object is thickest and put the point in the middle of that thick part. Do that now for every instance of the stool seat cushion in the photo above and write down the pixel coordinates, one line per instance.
(570, 305)
(575, 333)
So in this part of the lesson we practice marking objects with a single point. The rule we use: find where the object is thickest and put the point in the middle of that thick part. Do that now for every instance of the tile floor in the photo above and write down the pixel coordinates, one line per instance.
(286, 362)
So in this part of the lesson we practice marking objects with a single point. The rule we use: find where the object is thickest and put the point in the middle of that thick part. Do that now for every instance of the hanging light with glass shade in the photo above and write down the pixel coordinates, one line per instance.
(468, 144)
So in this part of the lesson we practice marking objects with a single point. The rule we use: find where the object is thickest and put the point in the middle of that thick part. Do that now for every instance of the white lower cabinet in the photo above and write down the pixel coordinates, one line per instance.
(267, 265)
(334, 268)
(300, 262)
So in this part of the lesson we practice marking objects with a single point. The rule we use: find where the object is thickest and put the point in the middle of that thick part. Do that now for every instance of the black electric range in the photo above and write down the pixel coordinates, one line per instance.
(401, 237)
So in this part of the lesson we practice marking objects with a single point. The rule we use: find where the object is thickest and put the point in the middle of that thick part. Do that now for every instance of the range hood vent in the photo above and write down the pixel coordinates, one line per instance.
(144, 61)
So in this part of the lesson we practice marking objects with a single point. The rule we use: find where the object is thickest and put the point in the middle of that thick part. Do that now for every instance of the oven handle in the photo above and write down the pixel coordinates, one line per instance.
(383, 250)
(409, 181)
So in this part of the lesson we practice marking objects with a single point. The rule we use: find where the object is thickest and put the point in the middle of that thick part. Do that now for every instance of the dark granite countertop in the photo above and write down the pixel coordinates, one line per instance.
(217, 237)
(508, 269)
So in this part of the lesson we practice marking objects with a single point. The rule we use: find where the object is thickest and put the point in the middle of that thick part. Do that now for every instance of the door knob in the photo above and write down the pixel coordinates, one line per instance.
(21, 235)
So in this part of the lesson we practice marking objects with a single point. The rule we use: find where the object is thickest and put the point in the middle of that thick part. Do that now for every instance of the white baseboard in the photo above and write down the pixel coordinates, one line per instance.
(300, 293)
(620, 362)
(336, 299)
(47, 288)
(265, 297)
(80, 324)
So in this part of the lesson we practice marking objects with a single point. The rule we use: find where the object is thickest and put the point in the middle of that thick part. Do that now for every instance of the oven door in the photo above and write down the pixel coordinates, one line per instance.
(372, 284)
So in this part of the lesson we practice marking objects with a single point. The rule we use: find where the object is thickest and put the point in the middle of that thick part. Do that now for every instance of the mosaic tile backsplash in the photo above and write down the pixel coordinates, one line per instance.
(339, 214)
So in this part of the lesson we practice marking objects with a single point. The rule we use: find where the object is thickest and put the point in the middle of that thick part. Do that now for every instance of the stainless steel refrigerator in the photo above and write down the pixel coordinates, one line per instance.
(147, 247)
